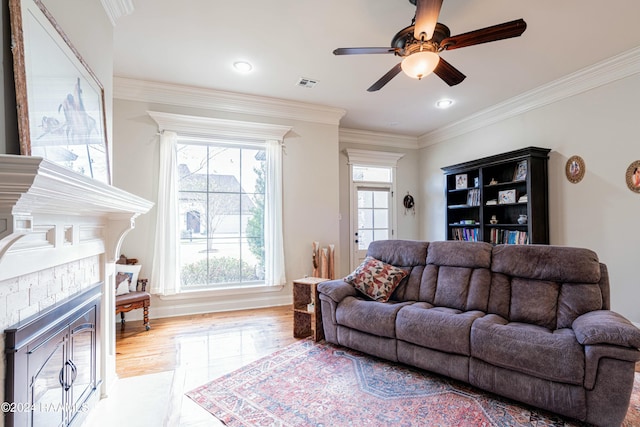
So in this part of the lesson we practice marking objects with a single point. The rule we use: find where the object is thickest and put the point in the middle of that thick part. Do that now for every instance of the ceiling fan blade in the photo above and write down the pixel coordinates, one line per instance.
(427, 12)
(362, 50)
(447, 72)
(485, 35)
(386, 78)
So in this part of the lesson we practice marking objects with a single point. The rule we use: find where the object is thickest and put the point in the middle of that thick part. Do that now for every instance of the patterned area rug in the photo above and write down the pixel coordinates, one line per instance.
(318, 384)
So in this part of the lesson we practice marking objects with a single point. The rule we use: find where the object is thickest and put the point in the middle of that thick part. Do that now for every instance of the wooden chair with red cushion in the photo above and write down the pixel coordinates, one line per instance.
(132, 300)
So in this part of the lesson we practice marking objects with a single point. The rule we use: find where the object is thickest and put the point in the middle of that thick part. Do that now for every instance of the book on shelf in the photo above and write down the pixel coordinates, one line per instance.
(473, 197)
(465, 234)
(492, 202)
(508, 237)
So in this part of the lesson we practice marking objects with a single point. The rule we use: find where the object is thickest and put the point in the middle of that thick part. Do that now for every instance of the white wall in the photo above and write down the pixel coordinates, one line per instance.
(600, 125)
(311, 202)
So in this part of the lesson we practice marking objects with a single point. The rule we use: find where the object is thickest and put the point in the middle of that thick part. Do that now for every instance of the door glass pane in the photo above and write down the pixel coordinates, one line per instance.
(381, 218)
(372, 216)
(380, 234)
(365, 199)
(381, 199)
(365, 218)
(81, 355)
(47, 389)
(364, 238)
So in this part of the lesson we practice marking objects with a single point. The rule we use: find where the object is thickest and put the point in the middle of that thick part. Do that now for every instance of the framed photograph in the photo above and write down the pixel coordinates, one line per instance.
(461, 181)
(575, 169)
(506, 197)
(60, 101)
(520, 174)
(633, 176)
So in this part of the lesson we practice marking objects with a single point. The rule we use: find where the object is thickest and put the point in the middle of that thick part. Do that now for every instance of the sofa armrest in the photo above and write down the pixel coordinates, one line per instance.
(606, 327)
(337, 289)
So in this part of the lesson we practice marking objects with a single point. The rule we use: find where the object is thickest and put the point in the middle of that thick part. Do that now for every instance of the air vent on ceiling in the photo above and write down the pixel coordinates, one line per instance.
(304, 82)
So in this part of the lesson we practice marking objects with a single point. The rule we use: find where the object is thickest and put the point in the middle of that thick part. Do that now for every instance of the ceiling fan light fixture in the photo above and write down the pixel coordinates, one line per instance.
(420, 64)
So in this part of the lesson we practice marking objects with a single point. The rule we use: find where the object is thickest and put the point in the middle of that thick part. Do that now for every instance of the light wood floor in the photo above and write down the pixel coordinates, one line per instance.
(219, 342)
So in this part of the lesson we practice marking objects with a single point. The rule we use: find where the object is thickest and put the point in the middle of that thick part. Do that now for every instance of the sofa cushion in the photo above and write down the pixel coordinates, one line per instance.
(530, 349)
(460, 254)
(376, 279)
(547, 262)
(534, 301)
(401, 253)
(438, 328)
(369, 316)
(457, 275)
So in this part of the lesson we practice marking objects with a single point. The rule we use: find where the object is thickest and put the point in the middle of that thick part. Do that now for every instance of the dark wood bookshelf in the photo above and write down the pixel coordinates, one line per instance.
(496, 176)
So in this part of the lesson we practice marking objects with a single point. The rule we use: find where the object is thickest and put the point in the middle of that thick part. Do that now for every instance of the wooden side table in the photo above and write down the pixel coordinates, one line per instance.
(307, 317)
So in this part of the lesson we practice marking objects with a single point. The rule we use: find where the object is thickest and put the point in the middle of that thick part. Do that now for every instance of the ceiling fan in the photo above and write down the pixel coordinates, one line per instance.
(421, 42)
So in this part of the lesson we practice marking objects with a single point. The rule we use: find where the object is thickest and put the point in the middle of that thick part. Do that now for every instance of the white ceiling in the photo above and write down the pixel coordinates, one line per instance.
(195, 42)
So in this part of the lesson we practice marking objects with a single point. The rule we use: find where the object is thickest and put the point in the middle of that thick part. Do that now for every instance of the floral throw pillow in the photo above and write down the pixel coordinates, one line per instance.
(376, 279)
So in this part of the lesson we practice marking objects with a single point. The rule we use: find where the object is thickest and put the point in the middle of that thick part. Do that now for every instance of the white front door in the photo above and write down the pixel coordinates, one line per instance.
(371, 218)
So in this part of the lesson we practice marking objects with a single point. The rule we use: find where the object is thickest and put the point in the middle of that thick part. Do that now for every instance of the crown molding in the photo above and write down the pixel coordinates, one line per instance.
(210, 99)
(356, 136)
(117, 8)
(599, 74)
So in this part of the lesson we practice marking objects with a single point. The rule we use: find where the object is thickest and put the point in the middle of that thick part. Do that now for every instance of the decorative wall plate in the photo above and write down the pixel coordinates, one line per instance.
(633, 176)
(575, 169)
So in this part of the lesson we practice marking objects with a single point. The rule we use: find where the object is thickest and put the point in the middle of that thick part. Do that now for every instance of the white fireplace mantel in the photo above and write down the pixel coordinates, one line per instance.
(47, 209)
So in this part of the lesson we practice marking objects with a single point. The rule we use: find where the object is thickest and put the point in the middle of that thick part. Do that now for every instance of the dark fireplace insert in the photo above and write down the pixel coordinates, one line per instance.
(53, 363)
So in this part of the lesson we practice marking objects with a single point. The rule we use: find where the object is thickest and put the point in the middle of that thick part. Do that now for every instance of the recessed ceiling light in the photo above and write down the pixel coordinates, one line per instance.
(242, 66)
(444, 103)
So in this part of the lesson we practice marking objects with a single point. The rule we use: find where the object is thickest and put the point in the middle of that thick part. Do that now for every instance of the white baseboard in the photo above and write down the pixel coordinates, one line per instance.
(184, 307)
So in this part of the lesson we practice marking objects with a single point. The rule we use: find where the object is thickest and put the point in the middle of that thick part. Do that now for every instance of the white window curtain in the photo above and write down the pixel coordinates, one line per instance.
(165, 273)
(273, 230)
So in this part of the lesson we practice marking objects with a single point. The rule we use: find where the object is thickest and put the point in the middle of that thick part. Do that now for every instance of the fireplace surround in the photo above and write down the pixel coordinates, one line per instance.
(60, 235)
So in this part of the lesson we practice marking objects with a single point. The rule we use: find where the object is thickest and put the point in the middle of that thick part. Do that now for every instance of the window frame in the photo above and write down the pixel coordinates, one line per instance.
(369, 158)
(221, 130)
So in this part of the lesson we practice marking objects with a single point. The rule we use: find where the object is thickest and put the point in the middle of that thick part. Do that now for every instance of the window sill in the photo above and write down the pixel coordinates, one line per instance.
(204, 293)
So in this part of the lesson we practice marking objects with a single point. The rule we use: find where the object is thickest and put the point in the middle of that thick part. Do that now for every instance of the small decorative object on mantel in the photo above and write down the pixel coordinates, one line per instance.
(575, 169)
(633, 176)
